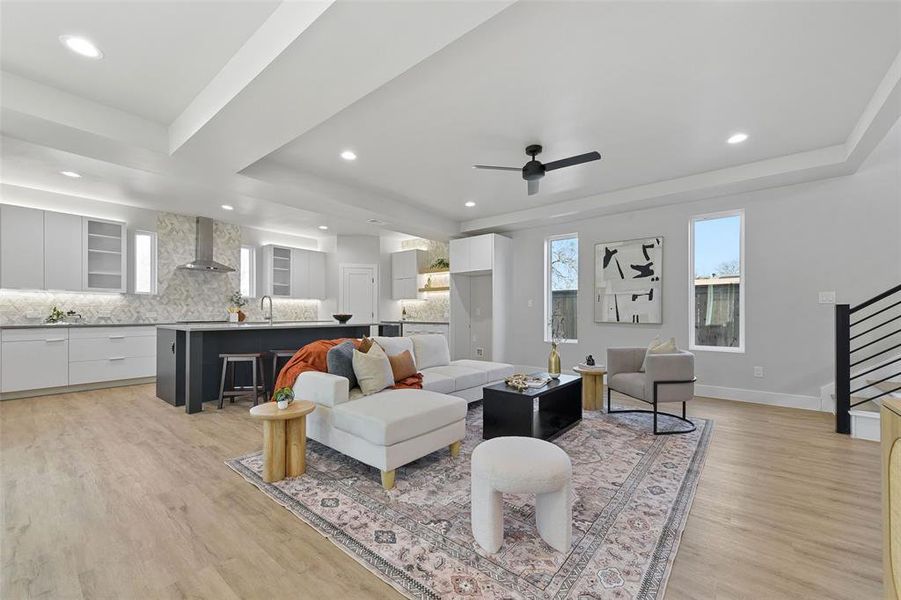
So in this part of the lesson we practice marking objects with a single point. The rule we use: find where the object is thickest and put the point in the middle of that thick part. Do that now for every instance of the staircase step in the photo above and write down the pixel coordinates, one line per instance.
(867, 407)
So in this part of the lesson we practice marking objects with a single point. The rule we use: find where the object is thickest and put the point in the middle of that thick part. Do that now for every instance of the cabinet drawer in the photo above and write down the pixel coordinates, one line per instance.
(112, 347)
(38, 334)
(93, 371)
(34, 364)
(112, 332)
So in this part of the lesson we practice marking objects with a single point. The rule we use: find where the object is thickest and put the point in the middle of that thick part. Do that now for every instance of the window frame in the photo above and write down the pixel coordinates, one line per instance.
(547, 285)
(252, 276)
(743, 286)
(154, 262)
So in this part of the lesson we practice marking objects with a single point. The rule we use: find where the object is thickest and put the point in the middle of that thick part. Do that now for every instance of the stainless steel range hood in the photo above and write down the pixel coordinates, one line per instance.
(203, 250)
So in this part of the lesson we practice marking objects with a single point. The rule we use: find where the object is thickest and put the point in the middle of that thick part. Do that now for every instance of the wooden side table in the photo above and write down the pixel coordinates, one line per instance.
(592, 387)
(284, 438)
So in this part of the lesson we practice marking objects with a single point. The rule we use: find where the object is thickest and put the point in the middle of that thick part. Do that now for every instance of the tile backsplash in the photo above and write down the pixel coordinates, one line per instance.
(182, 295)
(436, 305)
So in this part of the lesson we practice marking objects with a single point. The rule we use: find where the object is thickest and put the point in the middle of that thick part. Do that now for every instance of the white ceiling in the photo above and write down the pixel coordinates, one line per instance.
(157, 55)
(191, 95)
(656, 89)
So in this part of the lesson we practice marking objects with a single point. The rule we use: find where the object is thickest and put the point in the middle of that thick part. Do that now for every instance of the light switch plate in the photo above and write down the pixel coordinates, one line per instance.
(531, 303)
(827, 297)
(480, 352)
(758, 371)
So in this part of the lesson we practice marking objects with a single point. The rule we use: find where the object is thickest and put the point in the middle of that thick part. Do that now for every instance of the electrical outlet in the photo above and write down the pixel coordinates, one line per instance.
(531, 303)
(827, 297)
(480, 352)
(758, 371)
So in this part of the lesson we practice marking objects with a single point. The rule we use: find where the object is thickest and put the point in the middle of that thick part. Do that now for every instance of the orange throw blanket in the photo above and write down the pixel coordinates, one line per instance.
(313, 357)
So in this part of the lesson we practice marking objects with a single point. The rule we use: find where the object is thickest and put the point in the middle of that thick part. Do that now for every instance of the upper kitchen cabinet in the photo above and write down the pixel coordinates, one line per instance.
(405, 269)
(104, 261)
(21, 247)
(63, 252)
(473, 254)
(293, 273)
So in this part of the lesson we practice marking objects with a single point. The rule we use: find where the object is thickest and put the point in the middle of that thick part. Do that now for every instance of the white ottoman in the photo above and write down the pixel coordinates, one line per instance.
(520, 465)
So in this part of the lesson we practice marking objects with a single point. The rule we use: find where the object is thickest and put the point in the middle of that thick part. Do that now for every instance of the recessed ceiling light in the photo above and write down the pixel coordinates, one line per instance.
(81, 46)
(737, 138)
(228, 207)
(348, 155)
(323, 227)
(469, 204)
(375, 221)
(71, 174)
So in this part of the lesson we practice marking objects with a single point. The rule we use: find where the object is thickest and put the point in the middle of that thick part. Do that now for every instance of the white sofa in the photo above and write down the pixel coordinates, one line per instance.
(391, 428)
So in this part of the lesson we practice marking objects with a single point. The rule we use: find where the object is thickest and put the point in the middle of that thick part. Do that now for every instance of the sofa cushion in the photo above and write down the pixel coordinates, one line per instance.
(495, 370)
(373, 370)
(435, 382)
(463, 377)
(430, 351)
(340, 360)
(631, 384)
(402, 365)
(393, 416)
(395, 345)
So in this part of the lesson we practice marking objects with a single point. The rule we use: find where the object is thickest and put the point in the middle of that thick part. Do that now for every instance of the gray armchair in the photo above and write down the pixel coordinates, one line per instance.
(667, 378)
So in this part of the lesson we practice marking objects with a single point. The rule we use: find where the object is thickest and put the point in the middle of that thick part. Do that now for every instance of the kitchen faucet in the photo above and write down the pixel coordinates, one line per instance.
(263, 299)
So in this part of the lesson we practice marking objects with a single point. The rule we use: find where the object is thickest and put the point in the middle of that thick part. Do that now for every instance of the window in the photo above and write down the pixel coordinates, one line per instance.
(248, 271)
(145, 262)
(561, 286)
(717, 289)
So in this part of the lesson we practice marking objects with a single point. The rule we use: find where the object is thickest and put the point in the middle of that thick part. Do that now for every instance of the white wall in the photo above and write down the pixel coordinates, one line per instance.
(841, 234)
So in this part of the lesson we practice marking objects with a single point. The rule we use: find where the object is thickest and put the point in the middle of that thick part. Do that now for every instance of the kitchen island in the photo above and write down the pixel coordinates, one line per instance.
(188, 361)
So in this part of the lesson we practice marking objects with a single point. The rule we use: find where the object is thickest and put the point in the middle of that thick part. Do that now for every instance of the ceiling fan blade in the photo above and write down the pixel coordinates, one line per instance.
(572, 160)
(493, 168)
(533, 187)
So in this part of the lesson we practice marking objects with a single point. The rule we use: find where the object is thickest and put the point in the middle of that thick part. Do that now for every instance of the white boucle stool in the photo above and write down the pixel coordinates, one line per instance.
(520, 465)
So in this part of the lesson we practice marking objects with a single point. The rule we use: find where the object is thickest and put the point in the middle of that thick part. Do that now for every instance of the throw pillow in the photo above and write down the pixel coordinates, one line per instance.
(365, 345)
(373, 370)
(395, 345)
(402, 365)
(340, 361)
(431, 350)
(658, 347)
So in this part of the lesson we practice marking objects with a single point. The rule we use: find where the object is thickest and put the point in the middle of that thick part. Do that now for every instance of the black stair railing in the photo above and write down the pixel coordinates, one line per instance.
(848, 328)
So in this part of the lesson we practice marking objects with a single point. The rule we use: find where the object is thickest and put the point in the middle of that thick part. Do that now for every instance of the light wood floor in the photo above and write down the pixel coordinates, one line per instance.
(115, 494)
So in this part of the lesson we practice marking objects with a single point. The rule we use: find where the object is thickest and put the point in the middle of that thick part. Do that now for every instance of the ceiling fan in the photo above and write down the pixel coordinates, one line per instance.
(534, 170)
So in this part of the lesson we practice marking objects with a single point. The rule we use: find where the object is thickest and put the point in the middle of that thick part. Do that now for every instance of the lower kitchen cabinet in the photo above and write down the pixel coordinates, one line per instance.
(34, 358)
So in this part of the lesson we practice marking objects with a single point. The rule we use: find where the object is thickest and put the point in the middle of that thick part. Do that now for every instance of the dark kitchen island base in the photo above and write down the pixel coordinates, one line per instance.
(188, 360)
(506, 411)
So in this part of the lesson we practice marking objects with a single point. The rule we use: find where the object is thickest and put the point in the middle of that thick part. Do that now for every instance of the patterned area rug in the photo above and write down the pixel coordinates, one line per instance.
(632, 493)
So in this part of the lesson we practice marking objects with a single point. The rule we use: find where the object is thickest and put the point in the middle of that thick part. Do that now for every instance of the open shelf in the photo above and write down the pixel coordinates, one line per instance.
(435, 289)
(434, 271)
(104, 251)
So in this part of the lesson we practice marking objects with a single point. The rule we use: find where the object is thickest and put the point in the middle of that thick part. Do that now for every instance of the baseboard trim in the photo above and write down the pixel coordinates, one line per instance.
(759, 397)
(84, 387)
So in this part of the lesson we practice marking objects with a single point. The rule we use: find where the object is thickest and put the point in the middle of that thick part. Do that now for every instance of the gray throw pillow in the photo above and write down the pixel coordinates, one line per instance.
(340, 361)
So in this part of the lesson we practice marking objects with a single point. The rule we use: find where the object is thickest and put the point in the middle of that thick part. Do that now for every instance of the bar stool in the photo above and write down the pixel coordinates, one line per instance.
(228, 368)
(277, 354)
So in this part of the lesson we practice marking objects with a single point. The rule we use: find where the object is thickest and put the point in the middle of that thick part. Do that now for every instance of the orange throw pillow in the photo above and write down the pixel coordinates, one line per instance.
(365, 345)
(402, 365)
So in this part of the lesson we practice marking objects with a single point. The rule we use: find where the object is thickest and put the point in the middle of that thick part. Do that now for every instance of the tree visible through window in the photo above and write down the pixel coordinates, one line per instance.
(718, 282)
(563, 288)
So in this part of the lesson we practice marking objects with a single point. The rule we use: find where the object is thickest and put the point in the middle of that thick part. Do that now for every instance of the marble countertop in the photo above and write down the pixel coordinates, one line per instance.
(416, 322)
(85, 324)
(259, 325)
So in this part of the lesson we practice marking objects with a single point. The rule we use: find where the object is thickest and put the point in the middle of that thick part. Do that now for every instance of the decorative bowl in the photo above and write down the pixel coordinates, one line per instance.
(342, 318)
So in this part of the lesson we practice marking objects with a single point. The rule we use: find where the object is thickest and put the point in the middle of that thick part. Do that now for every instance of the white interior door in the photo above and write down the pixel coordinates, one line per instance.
(358, 293)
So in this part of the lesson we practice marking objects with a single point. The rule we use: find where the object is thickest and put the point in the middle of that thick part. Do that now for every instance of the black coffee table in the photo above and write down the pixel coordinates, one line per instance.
(543, 413)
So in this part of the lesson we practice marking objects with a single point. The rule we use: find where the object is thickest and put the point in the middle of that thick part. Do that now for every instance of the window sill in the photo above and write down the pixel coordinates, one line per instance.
(726, 349)
(547, 341)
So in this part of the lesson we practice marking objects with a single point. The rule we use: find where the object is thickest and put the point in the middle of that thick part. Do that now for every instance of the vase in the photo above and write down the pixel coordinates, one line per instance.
(553, 362)
(241, 316)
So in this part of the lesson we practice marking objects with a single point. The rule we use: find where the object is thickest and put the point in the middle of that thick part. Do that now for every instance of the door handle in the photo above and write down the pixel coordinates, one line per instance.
(117, 337)
(55, 340)
(173, 347)
(117, 358)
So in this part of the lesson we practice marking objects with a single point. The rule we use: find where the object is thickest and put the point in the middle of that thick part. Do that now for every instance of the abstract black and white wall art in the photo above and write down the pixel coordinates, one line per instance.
(628, 281)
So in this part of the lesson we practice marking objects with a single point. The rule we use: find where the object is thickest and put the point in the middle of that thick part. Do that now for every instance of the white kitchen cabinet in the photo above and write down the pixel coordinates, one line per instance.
(317, 275)
(63, 242)
(406, 266)
(98, 354)
(104, 258)
(277, 271)
(473, 254)
(34, 358)
(300, 273)
(21, 248)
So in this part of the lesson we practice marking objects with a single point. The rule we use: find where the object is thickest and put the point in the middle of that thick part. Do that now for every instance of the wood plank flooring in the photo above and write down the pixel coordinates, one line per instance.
(115, 494)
